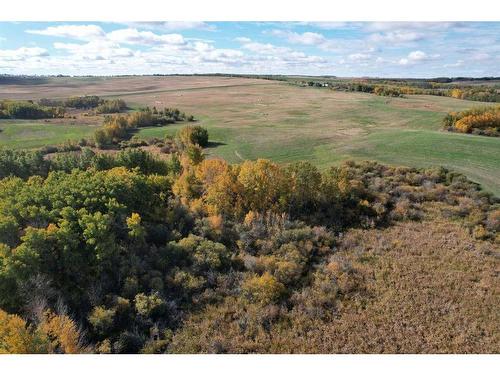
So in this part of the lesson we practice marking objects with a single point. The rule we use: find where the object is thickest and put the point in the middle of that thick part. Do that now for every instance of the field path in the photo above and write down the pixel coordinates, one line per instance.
(239, 156)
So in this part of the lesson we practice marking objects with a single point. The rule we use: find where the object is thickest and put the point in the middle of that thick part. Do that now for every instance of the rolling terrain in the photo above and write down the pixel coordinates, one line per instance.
(124, 246)
(251, 118)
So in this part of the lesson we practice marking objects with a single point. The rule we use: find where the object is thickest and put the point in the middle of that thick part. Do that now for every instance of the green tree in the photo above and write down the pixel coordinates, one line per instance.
(193, 135)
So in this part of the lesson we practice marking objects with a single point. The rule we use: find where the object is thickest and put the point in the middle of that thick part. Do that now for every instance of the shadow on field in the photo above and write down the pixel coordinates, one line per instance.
(212, 144)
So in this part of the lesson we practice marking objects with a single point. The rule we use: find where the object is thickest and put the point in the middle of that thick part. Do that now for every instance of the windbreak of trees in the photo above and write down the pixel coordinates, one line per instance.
(377, 89)
(87, 102)
(168, 115)
(80, 102)
(54, 108)
(299, 191)
(479, 120)
(195, 135)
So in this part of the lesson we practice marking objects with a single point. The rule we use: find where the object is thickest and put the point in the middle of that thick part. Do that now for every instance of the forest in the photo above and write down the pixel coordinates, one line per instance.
(129, 252)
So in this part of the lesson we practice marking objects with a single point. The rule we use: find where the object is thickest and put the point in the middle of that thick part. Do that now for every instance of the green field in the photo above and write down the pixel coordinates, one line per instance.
(475, 156)
(327, 127)
(285, 123)
(30, 134)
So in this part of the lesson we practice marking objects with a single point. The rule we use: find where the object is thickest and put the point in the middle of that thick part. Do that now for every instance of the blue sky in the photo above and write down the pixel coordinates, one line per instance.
(378, 49)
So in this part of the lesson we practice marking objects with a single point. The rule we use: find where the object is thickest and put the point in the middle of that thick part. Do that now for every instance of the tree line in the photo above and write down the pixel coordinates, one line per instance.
(55, 108)
(396, 88)
(12, 109)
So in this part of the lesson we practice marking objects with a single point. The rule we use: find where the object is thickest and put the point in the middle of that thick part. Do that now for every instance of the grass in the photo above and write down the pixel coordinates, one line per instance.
(475, 156)
(29, 134)
(285, 123)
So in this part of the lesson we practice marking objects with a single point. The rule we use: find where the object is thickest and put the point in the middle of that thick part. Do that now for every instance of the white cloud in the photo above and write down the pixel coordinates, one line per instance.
(417, 56)
(264, 48)
(330, 25)
(226, 56)
(81, 32)
(184, 25)
(95, 50)
(307, 38)
(396, 37)
(202, 46)
(269, 54)
(134, 36)
(395, 33)
(480, 56)
(22, 53)
(359, 57)
(458, 64)
(175, 25)
(108, 55)
(424, 26)
(127, 35)
(382, 49)
(242, 39)
(414, 57)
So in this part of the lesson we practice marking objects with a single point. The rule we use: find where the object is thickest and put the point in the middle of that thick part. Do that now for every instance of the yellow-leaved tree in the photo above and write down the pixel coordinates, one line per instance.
(54, 334)
(265, 186)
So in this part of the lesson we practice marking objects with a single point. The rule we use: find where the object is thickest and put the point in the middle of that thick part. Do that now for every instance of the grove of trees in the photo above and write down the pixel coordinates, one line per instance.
(12, 109)
(118, 127)
(478, 120)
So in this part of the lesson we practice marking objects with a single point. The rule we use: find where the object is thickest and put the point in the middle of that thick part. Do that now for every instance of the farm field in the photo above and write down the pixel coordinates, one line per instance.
(250, 118)
(63, 87)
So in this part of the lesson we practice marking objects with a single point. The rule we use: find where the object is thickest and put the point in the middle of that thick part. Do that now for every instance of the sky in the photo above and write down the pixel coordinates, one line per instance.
(344, 49)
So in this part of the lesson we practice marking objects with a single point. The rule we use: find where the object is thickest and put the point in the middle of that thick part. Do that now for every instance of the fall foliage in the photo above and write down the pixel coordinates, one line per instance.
(135, 254)
(480, 120)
